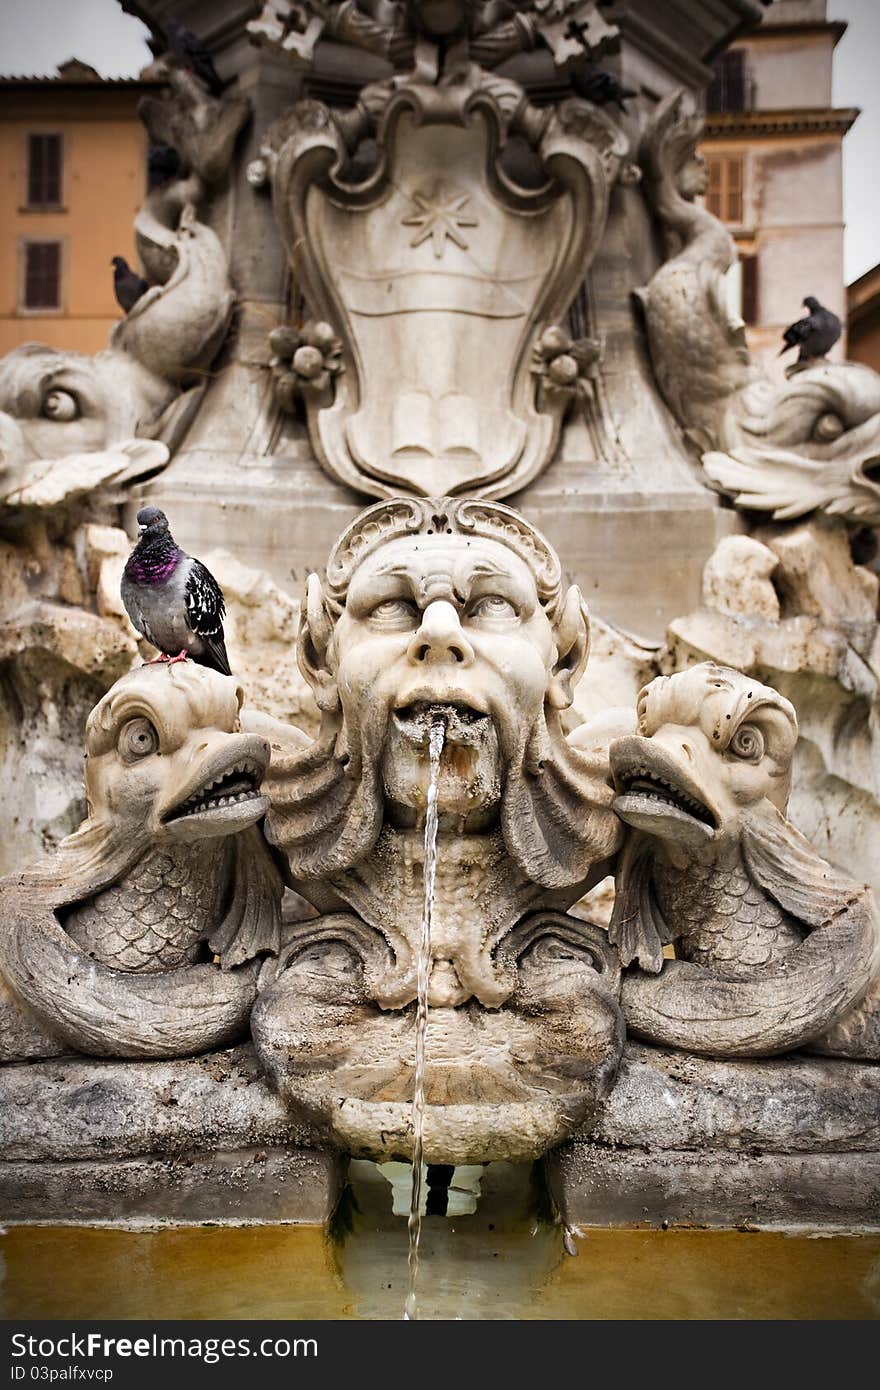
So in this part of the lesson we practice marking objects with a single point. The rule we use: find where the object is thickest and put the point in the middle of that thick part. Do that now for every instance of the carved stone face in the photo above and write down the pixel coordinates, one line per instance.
(712, 744)
(165, 756)
(56, 404)
(693, 179)
(452, 627)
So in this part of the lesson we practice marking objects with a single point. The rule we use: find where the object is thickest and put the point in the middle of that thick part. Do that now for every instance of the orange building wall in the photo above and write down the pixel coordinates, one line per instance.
(103, 184)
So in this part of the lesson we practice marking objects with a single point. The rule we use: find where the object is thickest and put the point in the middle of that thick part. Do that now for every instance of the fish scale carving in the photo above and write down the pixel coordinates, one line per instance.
(722, 917)
(158, 916)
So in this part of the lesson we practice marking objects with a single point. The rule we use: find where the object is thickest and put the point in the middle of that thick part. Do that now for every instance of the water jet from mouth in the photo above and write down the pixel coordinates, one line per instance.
(414, 1223)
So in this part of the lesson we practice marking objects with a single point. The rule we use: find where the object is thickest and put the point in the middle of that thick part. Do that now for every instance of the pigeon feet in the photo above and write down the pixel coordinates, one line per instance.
(164, 659)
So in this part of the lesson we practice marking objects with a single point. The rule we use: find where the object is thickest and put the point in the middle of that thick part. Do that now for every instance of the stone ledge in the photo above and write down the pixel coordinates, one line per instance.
(81, 1108)
(796, 1104)
(229, 1186)
(593, 1186)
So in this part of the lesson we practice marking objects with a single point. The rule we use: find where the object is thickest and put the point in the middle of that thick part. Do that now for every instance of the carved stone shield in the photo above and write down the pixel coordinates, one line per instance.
(439, 273)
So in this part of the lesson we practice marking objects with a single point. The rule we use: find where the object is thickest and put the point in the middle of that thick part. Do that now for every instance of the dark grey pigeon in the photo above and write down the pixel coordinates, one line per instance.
(600, 87)
(127, 284)
(191, 53)
(813, 335)
(172, 599)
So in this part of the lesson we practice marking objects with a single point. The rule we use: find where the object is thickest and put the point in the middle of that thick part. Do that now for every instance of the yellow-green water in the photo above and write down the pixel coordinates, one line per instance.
(501, 1262)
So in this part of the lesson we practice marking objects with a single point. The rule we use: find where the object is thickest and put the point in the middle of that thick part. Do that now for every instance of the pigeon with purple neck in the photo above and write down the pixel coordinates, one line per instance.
(172, 599)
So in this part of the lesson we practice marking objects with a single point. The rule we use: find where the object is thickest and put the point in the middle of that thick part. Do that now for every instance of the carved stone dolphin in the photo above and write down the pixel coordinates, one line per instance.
(141, 937)
(774, 946)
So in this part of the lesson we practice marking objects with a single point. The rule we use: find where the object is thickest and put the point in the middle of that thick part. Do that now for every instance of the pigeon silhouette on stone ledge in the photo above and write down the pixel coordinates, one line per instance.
(172, 599)
(128, 286)
(190, 53)
(600, 87)
(814, 335)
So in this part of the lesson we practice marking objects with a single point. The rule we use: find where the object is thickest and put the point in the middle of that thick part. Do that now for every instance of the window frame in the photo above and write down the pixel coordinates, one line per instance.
(24, 310)
(27, 205)
(720, 159)
(727, 83)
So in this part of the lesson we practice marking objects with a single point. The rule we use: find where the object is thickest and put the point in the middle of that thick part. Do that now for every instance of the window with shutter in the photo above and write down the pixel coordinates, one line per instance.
(724, 197)
(730, 89)
(42, 275)
(44, 171)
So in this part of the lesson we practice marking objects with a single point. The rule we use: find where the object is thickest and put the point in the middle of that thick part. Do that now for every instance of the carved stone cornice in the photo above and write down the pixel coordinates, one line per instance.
(755, 125)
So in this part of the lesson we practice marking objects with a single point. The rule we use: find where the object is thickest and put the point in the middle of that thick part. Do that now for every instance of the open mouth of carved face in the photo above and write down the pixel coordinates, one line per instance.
(225, 796)
(463, 723)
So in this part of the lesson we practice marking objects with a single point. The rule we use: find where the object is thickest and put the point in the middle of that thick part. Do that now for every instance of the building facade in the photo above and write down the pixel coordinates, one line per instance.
(773, 146)
(73, 162)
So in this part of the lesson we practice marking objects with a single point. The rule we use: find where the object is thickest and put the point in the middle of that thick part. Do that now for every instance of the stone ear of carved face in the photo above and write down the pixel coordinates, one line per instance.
(572, 635)
(313, 640)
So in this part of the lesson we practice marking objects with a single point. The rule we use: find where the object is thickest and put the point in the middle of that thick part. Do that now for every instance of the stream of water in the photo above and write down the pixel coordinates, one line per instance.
(414, 1223)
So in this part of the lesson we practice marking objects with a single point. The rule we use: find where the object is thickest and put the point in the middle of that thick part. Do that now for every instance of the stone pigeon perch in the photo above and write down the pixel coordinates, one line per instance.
(813, 335)
(127, 284)
(172, 599)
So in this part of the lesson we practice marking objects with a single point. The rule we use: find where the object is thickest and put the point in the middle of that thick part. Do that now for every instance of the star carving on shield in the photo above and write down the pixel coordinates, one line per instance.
(440, 215)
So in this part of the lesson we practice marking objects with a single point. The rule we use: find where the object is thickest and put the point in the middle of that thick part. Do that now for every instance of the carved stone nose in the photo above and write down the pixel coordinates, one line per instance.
(440, 636)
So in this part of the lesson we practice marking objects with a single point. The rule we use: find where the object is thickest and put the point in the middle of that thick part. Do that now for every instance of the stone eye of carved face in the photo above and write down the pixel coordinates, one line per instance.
(137, 739)
(748, 743)
(395, 613)
(492, 608)
(60, 405)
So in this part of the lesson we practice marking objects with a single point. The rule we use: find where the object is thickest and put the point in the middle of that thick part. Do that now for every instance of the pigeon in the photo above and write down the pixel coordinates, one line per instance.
(813, 335)
(172, 599)
(127, 284)
(163, 163)
(600, 87)
(192, 54)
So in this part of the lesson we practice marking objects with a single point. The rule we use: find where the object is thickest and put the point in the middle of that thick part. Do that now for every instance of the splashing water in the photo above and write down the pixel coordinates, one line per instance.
(414, 1223)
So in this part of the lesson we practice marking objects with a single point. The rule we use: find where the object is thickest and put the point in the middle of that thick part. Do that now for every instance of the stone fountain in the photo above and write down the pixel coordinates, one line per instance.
(445, 340)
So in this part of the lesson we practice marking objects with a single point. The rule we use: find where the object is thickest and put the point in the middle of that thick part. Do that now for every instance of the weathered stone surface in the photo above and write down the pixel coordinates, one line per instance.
(76, 1109)
(821, 652)
(229, 1186)
(668, 1100)
(593, 1186)
(695, 1141)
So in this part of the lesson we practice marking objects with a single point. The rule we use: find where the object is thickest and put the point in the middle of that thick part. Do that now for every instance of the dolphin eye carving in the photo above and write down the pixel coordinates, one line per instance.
(60, 405)
(137, 739)
(748, 743)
